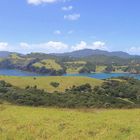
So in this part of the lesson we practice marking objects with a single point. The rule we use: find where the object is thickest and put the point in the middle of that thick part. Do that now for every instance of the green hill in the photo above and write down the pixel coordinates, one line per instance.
(45, 82)
(48, 63)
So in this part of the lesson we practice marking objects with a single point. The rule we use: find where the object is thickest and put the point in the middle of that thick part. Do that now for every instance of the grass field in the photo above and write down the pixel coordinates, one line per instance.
(29, 123)
(49, 64)
(44, 82)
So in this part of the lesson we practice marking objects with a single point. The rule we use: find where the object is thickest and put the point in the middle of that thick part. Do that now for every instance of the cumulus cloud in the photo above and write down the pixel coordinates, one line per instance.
(51, 47)
(80, 46)
(67, 8)
(95, 45)
(48, 47)
(55, 46)
(99, 45)
(3, 46)
(72, 17)
(134, 50)
(60, 47)
(37, 2)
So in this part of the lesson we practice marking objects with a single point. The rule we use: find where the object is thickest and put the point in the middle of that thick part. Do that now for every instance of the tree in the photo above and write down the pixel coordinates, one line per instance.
(109, 69)
(88, 68)
(54, 84)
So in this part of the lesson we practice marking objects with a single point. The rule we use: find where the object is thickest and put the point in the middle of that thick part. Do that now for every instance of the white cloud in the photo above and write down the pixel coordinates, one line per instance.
(51, 47)
(59, 47)
(80, 46)
(72, 17)
(134, 50)
(38, 2)
(55, 46)
(57, 32)
(3, 46)
(95, 45)
(47, 47)
(99, 45)
(68, 8)
(24, 44)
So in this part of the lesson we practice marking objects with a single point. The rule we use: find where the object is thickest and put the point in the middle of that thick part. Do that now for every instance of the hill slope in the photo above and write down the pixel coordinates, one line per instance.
(44, 82)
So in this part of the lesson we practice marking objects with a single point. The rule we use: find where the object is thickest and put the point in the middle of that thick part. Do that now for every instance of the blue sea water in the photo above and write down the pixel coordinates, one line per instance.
(106, 75)
(15, 72)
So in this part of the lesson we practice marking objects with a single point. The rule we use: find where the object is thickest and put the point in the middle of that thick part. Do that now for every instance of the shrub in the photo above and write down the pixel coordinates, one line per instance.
(54, 84)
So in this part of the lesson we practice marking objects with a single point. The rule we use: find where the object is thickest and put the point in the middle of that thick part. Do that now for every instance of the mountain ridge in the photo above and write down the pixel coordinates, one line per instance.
(90, 52)
(79, 53)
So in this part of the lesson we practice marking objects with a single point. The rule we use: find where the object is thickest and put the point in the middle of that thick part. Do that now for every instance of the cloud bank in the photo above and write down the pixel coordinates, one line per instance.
(134, 50)
(51, 47)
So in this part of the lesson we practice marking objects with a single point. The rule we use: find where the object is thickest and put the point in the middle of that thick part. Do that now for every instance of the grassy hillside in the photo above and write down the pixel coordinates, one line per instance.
(49, 64)
(29, 123)
(74, 66)
(44, 82)
(100, 68)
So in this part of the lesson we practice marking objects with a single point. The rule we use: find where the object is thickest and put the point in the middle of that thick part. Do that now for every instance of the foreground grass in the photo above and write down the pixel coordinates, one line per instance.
(44, 82)
(29, 123)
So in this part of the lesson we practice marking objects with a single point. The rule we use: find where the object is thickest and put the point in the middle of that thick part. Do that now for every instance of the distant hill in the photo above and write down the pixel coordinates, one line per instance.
(4, 54)
(82, 61)
(75, 54)
(90, 52)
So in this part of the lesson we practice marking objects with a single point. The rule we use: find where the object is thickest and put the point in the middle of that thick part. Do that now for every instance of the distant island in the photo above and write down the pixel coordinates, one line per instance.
(82, 61)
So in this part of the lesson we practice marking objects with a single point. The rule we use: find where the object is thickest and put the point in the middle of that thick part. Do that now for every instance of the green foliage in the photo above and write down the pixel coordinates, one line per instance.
(54, 84)
(111, 94)
(59, 65)
(31, 123)
(133, 69)
(88, 68)
(109, 69)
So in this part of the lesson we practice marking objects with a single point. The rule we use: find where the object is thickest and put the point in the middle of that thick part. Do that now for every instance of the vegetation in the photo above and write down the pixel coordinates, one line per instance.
(49, 64)
(100, 68)
(133, 69)
(53, 64)
(88, 68)
(68, 124)
(54, 84)
(44, 82)
(123, 93)
(109, 69)
(74, 66)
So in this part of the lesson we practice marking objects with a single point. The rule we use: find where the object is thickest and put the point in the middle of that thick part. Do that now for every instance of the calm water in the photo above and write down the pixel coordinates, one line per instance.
(106, 75)
(14, 72)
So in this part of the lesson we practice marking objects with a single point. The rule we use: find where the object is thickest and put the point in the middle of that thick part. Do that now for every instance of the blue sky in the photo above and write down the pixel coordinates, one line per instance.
(68, 25)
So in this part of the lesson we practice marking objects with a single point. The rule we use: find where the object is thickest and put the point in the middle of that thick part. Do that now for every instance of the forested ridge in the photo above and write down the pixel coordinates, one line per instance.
(113, 93)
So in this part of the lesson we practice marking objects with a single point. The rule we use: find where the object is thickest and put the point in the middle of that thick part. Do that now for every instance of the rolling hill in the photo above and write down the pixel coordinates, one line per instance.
(90, 52)
(44, 82)
(59, 64)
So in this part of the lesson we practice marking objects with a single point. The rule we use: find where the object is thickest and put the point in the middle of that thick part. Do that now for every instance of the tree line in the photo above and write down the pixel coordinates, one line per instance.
(122, 93)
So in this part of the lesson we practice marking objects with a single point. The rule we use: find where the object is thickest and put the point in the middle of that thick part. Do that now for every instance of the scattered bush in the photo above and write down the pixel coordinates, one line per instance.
(54, 84)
